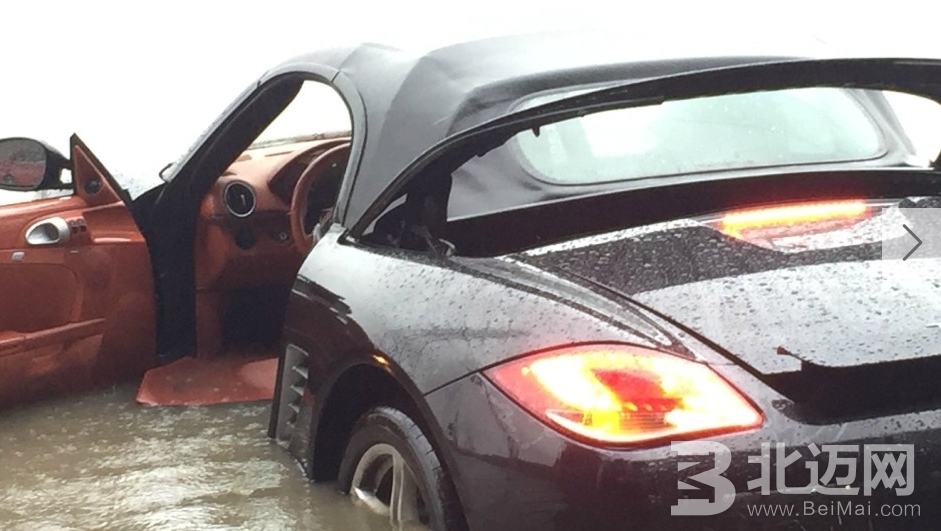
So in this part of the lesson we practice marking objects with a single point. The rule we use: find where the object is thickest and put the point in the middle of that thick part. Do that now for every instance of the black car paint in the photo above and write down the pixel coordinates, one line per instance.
(433, 323)
(427, 314)
(505, 459)
(824, 326)
(440, 318)
(499, 455)
(677, 270)
(437, 319)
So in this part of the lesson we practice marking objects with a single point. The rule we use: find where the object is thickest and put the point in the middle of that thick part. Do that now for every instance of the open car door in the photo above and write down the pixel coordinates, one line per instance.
(76, 285)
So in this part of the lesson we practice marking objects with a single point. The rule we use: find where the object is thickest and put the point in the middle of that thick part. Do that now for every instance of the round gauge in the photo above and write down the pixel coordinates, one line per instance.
(239, 199)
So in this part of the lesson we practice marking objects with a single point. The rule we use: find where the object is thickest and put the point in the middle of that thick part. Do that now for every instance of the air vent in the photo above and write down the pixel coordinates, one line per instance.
(239, 199)
(293, 384)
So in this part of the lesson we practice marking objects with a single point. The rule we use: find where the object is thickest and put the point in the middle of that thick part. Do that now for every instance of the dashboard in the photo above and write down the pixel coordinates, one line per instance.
(243, 235)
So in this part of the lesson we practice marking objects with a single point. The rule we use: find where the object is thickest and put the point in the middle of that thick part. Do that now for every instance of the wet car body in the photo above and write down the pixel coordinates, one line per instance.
(575, 484)
(514, 472)
(436, 323)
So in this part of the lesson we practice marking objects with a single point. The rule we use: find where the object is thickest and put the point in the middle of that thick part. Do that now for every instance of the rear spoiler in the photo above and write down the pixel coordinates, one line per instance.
(919, 77)
(823, 394)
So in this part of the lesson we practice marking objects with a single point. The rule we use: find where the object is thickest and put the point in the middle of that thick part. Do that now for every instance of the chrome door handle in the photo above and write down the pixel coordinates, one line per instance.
(50, 231)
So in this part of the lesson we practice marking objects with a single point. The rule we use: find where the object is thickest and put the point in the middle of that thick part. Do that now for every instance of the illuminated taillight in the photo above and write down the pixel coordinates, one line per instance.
(792, 219)
(622, 394)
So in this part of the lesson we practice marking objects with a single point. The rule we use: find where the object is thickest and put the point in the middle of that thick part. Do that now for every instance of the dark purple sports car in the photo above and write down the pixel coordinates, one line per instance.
(568, 295)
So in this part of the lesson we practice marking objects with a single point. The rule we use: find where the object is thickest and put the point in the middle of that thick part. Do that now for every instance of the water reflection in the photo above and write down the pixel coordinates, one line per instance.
(101, 462)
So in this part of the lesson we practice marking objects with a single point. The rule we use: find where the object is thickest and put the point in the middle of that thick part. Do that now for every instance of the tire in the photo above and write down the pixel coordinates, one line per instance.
(385, 442)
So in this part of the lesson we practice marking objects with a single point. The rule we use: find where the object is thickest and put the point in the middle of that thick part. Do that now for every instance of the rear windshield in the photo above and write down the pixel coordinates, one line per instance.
(737, 131)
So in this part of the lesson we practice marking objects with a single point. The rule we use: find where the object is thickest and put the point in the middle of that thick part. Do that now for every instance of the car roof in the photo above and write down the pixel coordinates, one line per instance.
(414, 99)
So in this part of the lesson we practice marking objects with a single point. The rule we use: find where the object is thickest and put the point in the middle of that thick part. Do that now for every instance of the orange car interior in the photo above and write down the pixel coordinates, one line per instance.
(77, 289)
(253, 232)
(77, 283)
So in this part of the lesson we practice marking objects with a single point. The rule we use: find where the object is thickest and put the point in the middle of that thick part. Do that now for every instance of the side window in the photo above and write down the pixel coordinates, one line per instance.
(316, 112)
(307, 145)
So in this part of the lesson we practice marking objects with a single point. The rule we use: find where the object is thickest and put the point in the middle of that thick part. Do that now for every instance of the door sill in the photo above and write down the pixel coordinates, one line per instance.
(203, 382)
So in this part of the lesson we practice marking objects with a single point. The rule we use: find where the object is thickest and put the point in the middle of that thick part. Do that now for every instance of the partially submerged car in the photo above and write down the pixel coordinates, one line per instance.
(520, 278)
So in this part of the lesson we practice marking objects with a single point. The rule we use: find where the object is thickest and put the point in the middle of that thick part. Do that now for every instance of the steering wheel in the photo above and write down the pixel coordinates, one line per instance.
(300, 199)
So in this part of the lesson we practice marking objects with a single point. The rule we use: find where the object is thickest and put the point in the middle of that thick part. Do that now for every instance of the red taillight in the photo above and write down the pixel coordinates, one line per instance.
(793, 219)
(624, 394)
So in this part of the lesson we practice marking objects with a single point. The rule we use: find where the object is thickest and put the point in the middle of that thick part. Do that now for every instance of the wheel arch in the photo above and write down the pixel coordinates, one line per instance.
(353, 391)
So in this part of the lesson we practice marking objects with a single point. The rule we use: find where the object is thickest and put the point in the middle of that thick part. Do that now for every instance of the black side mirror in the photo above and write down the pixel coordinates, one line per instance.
(27, 164)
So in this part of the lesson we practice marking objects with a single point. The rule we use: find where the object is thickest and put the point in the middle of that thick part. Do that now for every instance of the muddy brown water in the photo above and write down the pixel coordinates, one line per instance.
(102, 462)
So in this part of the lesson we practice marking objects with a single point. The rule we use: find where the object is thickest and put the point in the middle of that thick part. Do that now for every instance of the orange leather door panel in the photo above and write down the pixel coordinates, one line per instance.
(78, 313)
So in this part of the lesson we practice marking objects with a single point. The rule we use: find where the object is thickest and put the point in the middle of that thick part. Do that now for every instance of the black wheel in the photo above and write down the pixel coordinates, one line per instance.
(390, 468)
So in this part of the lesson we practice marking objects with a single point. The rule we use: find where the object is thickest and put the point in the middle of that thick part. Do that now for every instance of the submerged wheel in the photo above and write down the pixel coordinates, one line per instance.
(390, 468)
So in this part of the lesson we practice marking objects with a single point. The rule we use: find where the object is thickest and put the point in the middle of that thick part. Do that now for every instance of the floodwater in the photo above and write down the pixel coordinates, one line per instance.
(101, 462)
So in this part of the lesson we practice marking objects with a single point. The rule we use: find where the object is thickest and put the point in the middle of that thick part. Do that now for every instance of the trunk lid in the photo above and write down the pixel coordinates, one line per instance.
(805, 303)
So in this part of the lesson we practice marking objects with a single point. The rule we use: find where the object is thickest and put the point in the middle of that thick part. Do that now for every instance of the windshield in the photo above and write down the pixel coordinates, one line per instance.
(317, 111)
(737, 131)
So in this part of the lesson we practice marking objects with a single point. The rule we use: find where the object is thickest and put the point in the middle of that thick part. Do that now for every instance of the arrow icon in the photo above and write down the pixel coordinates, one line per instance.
(917, 239)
